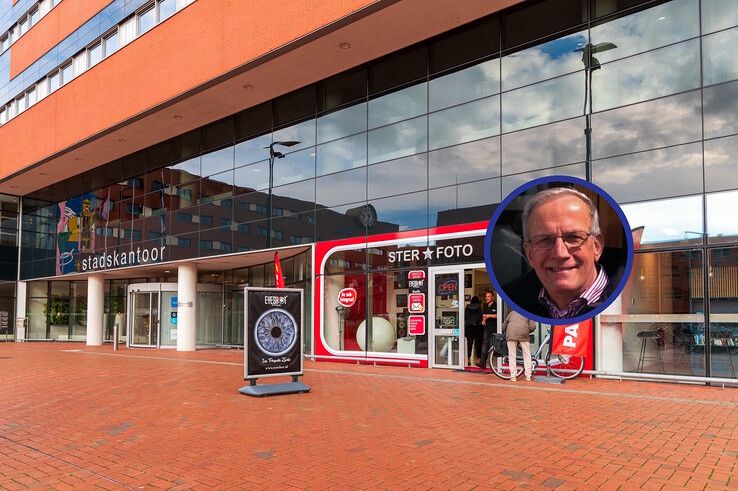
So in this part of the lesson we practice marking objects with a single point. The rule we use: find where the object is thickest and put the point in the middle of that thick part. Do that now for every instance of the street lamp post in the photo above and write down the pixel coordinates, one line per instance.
(272, 155)
(590, 64)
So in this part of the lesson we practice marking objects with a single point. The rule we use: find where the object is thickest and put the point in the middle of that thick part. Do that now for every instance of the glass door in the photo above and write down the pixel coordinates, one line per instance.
(446, 317)
(144, 319)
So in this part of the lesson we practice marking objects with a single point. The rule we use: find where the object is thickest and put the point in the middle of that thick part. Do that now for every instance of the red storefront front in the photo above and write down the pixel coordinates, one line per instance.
(399, 298)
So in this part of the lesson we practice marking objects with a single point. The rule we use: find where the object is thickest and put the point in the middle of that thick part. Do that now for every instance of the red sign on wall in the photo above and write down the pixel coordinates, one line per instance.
(572, 340)
(347, 297)
(416, 325)
(416, 275)
(416, 303)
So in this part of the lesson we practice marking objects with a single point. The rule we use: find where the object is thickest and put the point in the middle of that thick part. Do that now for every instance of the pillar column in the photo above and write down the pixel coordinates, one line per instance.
(95, 309)
(20, 308)
(187, 307)
(609, 343)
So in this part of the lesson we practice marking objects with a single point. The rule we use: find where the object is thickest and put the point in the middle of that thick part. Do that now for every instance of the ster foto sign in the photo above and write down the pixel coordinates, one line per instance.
(117, 259)
(457, 251)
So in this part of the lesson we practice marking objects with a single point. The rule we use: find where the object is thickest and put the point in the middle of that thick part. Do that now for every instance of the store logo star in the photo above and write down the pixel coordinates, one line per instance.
(428, 253)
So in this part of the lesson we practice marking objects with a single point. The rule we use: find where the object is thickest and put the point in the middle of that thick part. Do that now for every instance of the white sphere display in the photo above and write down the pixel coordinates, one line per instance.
(383, 334)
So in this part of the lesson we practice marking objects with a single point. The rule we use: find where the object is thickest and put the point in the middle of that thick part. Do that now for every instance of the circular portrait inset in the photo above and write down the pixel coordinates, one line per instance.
(559, 250)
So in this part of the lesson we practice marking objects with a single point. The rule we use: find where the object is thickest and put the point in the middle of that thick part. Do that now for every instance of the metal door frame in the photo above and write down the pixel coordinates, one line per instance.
(432, 330)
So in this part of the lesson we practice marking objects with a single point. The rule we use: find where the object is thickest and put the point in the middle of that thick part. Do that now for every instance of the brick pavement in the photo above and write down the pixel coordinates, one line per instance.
(79, 417)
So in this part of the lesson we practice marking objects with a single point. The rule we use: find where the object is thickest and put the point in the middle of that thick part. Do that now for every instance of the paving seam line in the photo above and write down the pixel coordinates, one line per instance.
(682, 400)
(76, 466)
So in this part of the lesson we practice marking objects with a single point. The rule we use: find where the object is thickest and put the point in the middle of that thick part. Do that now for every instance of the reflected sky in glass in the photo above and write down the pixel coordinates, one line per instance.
(408, 212)
(721, 164)
(396, 106)
(253, 150)
(658, 26)
(544, 61)
(721, 210)
(718, 14)
(342, 154)
(720, 108)
(471, 83)
(647, 125)
(398, 140)
(462, 163)
(295, 166)
(397, 176)
(343, 122)
(461, 124)
(341, 187)
(542, 103)
(660, 173)
(654, 74)
(544, 146)
(510, 183)
(719, 63)
(218, 161)
(302, 132)
(669, 220)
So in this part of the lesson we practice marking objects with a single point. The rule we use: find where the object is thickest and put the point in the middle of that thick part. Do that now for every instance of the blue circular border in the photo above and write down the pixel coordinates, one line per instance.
(517, 192)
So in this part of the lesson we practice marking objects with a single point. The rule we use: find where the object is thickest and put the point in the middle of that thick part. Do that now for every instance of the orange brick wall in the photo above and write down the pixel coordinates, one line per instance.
(62, 21)
(184, 52)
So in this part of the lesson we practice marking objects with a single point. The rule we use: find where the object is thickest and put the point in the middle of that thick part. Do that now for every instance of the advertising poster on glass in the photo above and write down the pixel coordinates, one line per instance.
(272, 332)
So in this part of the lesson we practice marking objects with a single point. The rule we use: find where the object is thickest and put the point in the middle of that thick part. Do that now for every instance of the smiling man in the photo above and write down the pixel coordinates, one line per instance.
(563, 244)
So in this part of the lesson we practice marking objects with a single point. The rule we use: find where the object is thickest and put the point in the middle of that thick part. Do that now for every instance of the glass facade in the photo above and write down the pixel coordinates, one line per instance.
(437, 134)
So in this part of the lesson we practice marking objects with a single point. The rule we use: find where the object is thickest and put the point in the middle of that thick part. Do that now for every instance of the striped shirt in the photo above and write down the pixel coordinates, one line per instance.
(590, 296)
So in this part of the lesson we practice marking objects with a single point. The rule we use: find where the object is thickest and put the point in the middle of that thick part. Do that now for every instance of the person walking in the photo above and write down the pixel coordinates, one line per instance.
(517, 329)
(473, 329)
(489, 321)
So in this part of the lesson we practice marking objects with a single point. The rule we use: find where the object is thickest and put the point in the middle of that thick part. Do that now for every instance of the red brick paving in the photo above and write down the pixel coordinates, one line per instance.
(73, 417)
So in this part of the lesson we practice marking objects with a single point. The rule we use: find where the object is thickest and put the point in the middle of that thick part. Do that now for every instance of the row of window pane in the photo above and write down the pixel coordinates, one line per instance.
(92, 55)
(38, 11)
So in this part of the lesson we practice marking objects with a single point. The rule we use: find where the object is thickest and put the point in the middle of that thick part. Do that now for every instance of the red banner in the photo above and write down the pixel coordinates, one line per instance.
(278, 278)
(572, 340)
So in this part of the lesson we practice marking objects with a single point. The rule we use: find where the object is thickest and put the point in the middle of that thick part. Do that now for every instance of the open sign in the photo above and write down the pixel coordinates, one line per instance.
(347, 297)
(448, 287)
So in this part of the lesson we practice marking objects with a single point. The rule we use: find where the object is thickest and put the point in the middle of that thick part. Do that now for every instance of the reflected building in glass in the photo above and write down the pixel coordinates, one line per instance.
(410, 149)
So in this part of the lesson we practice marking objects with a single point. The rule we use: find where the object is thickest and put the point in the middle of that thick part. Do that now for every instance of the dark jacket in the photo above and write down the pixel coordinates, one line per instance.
(524, 290)
(473, 315)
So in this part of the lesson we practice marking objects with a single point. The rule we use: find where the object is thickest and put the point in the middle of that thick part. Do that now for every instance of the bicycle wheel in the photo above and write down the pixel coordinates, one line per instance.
(565, 366)
(500, 366)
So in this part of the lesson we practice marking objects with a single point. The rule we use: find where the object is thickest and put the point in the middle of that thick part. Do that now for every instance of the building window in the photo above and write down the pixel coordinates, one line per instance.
(166, 9)
(111, 43)
(23, 25)
(34, 16)
(4, 43)
(206, 220)
(278, 212)
(3, 116)
(146, 19)
(184, 217)
(261, 231)
(54, 81)
(21, 104)
(184, 242)
(67, 73)
(31, 97)
(95, 54)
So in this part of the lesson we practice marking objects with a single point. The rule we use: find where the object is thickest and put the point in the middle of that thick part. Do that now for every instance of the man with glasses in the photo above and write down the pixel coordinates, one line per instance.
(563, 244)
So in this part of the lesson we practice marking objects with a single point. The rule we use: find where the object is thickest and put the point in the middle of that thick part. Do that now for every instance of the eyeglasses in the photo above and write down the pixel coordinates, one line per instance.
(572, 240)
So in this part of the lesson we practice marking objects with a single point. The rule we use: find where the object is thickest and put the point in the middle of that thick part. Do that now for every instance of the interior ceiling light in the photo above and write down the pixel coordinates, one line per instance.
(248, 87)
(344, 45)
(121, 140)
(177, 116)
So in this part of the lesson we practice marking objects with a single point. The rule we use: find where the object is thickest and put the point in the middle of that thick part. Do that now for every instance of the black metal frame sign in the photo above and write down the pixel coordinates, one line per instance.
(272, 332)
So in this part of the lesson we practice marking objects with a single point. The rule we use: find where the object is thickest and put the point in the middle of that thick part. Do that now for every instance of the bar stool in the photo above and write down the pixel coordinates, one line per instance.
(654, 334)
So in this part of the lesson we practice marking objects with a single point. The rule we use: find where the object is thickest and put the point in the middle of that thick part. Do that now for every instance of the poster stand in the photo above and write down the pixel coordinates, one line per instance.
(272, 340)
(294, 387)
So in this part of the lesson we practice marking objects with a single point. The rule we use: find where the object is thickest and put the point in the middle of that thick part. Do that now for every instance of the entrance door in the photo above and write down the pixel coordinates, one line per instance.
(145, 319)
(446, 317)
